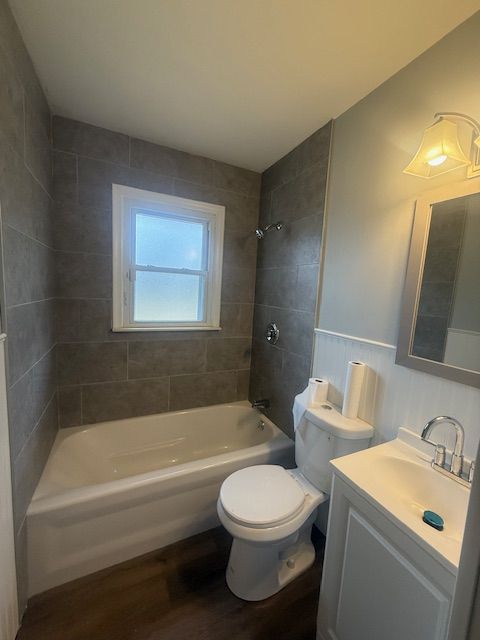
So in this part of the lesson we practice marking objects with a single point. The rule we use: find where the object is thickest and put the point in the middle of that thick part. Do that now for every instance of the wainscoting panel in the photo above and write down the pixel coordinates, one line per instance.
(394, 396)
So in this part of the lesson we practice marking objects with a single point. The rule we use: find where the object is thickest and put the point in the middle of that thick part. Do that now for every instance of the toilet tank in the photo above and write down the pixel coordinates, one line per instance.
(324, 434)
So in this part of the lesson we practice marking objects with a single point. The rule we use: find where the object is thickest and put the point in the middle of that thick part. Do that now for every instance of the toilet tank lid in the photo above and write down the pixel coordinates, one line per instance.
(330, 419)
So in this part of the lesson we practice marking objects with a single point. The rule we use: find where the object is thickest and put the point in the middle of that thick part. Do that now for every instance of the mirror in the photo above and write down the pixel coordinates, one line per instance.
(440, 324)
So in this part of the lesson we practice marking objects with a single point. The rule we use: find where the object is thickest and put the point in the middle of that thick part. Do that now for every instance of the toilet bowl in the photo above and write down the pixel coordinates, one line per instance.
(269, 510)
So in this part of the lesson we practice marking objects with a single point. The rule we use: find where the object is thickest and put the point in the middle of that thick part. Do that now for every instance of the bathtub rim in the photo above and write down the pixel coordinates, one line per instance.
(66, 432)
(73, 497)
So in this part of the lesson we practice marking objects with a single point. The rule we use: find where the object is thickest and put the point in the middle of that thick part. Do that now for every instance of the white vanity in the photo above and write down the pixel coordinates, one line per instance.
(387, 574)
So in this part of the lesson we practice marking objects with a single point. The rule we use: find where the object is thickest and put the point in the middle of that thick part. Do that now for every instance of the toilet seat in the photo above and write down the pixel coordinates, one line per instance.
(261, 496)
(268, 532)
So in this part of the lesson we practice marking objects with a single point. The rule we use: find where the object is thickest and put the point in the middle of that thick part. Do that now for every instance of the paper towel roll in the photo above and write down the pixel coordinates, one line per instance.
(353, 388)
(317, 391)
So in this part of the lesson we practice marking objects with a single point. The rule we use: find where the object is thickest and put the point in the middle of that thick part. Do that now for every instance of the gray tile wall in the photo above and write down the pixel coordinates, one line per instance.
(106, 376)
(27, 305)
(293, 191)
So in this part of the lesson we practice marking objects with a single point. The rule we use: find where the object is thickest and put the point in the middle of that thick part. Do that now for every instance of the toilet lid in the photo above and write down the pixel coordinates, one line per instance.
(261, 495)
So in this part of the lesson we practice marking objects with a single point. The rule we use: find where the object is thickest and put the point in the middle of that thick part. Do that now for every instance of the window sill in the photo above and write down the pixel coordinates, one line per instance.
(170, 329)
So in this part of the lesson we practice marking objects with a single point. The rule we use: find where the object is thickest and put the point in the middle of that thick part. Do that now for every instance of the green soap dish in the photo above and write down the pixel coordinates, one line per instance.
(433, 520)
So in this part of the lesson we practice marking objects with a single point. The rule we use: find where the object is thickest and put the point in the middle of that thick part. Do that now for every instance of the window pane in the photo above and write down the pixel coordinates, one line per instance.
(169, 242)
(168, 297)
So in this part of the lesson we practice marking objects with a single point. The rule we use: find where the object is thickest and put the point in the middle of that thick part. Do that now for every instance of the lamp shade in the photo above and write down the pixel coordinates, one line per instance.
(439, 152)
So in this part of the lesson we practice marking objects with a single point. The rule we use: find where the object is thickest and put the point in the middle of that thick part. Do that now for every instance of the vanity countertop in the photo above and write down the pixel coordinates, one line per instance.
(400, 482)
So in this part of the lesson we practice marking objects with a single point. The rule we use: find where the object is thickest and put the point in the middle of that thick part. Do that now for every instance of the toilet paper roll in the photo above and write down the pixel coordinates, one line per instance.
(317, 391)
(353, 388)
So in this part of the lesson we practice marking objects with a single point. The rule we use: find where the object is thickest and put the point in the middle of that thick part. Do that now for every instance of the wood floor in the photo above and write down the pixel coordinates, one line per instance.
(173, 594)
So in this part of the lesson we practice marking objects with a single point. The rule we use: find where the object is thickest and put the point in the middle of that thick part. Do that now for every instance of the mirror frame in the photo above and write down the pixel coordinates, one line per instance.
(413, 282)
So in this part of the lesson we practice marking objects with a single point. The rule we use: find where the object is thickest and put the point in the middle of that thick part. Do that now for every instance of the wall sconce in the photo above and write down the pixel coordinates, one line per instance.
(440, 150)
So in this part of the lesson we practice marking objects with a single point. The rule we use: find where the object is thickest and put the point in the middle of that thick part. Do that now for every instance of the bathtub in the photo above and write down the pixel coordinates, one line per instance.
(115, 490)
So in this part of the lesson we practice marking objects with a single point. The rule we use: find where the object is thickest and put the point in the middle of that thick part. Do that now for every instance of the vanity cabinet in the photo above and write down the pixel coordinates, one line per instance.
(378, 583)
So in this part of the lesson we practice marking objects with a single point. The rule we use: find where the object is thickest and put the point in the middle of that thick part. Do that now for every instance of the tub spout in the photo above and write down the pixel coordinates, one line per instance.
(261, 404)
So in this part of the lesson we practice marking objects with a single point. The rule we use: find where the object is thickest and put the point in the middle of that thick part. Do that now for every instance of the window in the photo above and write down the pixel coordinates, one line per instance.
(167, 261)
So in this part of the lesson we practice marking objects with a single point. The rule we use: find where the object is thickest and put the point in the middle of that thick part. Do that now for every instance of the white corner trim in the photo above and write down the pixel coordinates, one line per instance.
(344, 336)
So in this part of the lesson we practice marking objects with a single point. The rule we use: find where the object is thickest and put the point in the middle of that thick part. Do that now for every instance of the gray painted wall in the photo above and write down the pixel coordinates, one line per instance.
(28, 273)
(107, 376)
(293, 191)
(371, 202)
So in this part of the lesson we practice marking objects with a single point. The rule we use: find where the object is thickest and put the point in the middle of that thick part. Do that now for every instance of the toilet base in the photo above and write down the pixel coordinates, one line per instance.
(257, 571)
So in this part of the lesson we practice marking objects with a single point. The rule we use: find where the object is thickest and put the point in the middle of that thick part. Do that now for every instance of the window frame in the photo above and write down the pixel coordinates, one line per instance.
(124, 202)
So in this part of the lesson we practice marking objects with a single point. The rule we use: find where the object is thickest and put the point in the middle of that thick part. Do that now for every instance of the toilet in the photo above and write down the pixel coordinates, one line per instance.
(270, 510)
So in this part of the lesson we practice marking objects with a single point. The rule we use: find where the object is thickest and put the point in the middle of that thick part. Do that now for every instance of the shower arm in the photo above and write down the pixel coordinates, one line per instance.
(260, 233)
(272, 226)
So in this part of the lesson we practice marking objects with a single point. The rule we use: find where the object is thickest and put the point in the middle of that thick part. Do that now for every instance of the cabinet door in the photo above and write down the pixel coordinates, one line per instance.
(382, 595)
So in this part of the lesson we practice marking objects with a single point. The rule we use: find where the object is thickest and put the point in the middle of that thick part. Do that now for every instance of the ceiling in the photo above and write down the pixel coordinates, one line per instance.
(241, 81)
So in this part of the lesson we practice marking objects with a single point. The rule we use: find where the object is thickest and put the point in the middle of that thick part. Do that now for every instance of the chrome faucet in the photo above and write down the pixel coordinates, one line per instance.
(456, 463)
(261, 404)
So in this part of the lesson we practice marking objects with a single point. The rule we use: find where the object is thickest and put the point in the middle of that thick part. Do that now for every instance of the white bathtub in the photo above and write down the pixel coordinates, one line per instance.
(115, 490)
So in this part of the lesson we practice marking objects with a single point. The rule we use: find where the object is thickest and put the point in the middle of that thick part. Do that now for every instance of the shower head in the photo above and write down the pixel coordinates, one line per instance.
(274, 226)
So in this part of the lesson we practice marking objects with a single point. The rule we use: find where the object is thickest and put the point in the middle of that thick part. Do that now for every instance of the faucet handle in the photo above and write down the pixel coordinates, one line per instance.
(456, 465)
(440, 455)
(471, 471)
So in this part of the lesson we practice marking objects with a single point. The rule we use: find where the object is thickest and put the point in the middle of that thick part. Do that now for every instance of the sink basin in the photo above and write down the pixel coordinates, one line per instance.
(417, 487)
(399, 480)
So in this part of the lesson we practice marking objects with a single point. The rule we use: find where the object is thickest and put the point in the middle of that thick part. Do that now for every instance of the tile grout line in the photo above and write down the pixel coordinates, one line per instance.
(26, 235)
(25, 304)
(35, 427)
(82, 253)
(206, 185)
(31, 367)
(150, 378)
(22, 158)
(151, 341)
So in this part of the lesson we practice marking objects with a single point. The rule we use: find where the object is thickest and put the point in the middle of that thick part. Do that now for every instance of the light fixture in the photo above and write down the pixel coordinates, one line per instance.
(440, 150)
